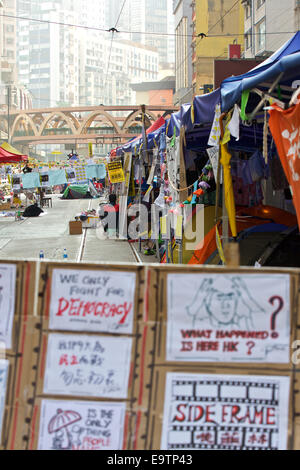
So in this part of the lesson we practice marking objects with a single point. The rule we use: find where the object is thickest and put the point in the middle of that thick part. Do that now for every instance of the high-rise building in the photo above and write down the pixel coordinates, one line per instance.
(183, 57)
(65, 65)
(216, 26)
(152, 23)
(268, 25)
(8, 42)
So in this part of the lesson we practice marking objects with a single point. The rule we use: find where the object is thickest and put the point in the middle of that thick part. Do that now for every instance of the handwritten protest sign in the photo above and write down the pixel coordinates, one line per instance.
(237, 317)
(3, 379)
(7, 302)
(82, 365)
(72, 425)
(225, 412)
(92, 300)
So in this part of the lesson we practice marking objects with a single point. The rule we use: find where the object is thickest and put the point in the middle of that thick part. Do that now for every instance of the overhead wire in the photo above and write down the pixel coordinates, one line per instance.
(111, 42)
(93, 28)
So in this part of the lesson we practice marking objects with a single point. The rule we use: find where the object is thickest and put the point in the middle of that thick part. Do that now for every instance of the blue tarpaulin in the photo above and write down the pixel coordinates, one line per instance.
(286, 60)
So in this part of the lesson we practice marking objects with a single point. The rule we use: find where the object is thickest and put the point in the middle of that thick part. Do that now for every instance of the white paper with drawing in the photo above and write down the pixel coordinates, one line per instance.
(3, 384)
(7, 302)
(76, 425)
(228, 317)
(92, 300)
(81, 365)
(225, 412)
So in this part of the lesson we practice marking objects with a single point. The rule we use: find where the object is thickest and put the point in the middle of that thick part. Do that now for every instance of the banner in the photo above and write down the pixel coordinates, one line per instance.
(285, 129)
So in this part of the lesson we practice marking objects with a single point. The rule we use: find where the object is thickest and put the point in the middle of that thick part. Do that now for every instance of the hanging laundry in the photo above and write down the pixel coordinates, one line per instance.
(234, 125)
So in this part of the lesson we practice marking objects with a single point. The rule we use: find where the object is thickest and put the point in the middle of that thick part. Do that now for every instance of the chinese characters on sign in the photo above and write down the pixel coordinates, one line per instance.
(225, 412)
(237, 317)
(92, 301)
(72, 425)
(82, 365)
(7, 302)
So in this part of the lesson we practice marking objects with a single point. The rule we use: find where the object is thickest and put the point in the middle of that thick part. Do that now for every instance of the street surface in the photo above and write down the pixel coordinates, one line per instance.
(26, 238)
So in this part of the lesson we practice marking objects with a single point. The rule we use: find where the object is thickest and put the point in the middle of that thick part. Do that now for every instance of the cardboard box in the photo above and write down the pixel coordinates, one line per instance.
(5, 206)
(75, 227)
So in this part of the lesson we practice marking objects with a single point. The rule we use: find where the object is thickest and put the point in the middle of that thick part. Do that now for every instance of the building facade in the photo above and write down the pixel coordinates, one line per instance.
(62, 65)
(268, 25)
(182, 11)
(223, 24)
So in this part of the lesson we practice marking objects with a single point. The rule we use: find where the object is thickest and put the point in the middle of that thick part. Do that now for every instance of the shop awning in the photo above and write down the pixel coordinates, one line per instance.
(283, 66)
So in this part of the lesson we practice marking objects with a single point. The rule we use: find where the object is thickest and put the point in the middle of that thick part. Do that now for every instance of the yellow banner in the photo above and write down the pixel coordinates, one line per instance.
(116, 173)
(220, 247)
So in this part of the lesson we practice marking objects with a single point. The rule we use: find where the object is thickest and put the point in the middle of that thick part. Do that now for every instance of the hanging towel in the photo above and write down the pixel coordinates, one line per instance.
(57, 177)
(31, 180)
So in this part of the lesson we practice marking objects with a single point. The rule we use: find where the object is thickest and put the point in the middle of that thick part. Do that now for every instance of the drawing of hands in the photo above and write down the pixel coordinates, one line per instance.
(244, 294)
(204, 292)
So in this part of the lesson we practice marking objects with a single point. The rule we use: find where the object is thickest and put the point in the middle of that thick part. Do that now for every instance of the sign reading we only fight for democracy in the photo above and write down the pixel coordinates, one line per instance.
(98, 301)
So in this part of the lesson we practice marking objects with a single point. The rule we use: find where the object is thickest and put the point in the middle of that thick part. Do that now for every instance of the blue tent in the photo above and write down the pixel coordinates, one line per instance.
(285, 61)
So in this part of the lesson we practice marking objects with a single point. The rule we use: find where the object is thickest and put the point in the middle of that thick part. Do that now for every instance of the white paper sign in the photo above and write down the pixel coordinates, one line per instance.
(44, 179)
(3, 381)
(92, 301)
(81, 365)
(76, 425)
(228, 318)
(7, 302)
(213, 153)
(225, 412)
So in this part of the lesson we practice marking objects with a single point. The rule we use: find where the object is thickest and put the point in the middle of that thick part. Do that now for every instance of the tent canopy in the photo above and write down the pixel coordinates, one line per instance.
(284, 63)
(9, 154)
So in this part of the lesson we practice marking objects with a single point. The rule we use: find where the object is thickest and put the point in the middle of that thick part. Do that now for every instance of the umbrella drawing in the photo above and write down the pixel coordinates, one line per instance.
(59, 425)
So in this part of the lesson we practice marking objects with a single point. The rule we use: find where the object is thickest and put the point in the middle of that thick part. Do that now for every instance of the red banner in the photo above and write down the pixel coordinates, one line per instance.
(285, 128)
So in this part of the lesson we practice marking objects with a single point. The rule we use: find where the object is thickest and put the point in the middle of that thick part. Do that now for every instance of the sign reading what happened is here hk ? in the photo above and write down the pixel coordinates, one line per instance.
(96, 301)
(87, 365)
(231, 412)
(227, 318)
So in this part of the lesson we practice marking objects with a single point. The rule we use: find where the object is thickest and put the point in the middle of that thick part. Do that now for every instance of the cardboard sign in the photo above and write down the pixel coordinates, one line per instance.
(7, 302)
(3, 381)
(98, 301)
(81, 365)
(228, 318)
(76, 425)
(116, 173)
(225, 412)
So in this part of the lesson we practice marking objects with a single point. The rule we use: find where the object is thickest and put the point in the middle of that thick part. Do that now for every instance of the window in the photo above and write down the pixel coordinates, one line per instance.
(259, 3)
(261, 35)
(248, 39)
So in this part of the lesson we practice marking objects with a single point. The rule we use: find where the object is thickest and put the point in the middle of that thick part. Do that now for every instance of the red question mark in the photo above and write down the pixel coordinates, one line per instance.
(250, 345)
(272, 300)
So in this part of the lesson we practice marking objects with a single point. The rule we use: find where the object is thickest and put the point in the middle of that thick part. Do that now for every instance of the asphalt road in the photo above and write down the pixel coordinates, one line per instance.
(50, 233)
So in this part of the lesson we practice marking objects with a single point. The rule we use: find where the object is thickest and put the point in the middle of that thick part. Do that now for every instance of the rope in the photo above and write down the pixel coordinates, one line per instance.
(183, 189)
